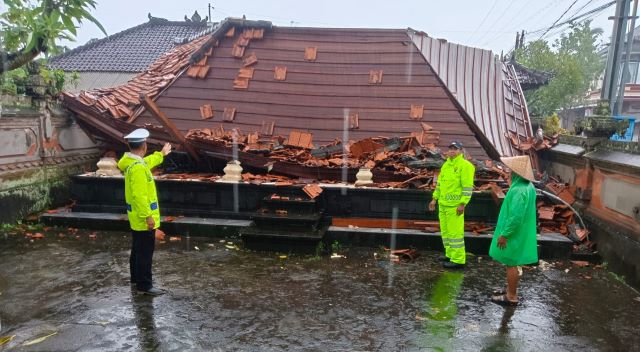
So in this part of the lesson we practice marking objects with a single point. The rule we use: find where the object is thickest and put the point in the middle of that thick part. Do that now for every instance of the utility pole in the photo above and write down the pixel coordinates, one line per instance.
(210, 8)
(617, 107)
(612, 70)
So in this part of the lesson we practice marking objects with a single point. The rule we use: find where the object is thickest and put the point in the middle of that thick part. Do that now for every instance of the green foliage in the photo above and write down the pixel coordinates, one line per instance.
(573, 60)
(551, 124)
(34, 79)
(336, 247)
(53, 79)
(36, 25)
(13, 82)
(320, 249)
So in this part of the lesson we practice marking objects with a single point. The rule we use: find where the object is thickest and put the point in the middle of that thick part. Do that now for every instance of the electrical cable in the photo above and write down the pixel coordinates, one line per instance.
(559, 18)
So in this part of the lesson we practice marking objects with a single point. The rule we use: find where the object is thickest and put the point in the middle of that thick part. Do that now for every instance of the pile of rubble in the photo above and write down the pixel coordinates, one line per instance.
(419, 163)
(415, 162)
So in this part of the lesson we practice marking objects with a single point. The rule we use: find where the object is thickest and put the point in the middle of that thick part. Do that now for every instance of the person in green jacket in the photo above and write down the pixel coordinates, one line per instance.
(143, 210)
(514, 241)
(453, 192)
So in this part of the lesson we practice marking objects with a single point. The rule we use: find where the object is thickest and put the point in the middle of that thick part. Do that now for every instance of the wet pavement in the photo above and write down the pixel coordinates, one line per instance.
(74, 289)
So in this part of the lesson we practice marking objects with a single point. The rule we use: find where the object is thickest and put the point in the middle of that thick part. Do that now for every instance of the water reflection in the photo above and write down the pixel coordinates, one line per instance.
(441, 311)
(143, 312)
(506, 320)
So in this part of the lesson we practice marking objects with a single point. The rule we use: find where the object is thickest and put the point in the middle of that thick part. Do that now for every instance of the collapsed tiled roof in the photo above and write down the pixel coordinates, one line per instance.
(122, 100)
(131, 50)
(333, 83)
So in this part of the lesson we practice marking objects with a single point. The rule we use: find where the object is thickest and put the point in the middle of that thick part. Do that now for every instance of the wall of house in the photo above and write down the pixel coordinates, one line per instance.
(608, 196)
(40, 147)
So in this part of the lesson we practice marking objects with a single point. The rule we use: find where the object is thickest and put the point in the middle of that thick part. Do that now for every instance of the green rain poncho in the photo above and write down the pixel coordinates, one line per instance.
(517, 222)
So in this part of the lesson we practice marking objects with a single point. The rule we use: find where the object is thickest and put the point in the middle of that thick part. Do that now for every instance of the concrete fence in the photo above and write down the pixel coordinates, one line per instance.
(40, 147)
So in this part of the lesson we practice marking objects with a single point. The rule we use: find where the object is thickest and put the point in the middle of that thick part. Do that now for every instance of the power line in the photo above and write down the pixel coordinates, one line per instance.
(559, 18)
(582, 7)
(501, 32)
(593, 12)
(497, 20)
(485, 18)
(584, 17)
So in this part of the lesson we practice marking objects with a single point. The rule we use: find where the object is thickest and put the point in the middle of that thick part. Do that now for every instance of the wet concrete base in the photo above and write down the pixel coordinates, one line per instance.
(76, 285)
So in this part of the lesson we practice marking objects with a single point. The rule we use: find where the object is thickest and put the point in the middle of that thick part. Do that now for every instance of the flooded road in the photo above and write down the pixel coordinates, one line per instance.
(74, 290)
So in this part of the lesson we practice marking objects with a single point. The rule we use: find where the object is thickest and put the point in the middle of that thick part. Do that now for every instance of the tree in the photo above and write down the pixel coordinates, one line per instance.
(575, 62)
(30, 28)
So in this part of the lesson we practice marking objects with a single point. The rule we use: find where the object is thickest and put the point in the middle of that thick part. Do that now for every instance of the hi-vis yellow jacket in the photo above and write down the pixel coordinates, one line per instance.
(455, 182)
(140, 189)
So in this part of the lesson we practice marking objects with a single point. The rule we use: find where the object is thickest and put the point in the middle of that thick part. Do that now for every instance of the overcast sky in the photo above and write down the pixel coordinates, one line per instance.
(489, 24)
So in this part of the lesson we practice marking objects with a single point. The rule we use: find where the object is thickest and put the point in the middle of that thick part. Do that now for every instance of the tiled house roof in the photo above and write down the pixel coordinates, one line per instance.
(373, 82)
(131, 50)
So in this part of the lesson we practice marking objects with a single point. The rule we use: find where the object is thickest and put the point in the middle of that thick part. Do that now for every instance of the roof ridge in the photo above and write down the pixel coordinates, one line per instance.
(152, 22)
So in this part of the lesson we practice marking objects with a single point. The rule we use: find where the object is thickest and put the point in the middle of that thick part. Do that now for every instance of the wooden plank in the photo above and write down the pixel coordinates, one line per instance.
(383, 223)
(151, 106)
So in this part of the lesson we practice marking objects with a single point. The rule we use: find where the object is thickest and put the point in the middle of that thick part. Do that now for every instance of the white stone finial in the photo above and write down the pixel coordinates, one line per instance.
(364, 177)
(108, 167)
(232, 172)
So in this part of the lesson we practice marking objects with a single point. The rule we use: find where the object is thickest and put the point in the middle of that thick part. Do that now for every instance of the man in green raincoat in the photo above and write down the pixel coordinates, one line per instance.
(514, 240)
(452, 194)
(142, 206)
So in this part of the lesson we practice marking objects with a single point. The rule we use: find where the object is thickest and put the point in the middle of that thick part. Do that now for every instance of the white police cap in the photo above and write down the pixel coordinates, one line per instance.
(137, 136)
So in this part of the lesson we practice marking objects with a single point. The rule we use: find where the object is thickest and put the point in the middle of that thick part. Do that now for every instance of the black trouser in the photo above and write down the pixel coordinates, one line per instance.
(142, 244)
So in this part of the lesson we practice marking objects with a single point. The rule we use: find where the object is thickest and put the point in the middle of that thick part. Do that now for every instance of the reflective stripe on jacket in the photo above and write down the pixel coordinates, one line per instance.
(455, 182)
(140, 189)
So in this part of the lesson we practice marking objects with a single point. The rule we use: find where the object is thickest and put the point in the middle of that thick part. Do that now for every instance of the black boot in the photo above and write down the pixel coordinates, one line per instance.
(452, 265)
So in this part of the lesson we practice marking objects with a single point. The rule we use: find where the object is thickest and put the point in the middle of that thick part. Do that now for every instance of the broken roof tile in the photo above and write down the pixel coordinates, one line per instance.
(313, 190)
(202, 61)
(300, 139)
(206, 111)
(245, 72)
(237, 51)
(416, 111)
(280, 73)
(241, 83)
(310, 53)
(231, 32)
(354, 121)
(375, 76)
(242, 41)
(250, 60)
(426, 126)
(258, 33)
(202, 71)
(267, 128)
(229, 114)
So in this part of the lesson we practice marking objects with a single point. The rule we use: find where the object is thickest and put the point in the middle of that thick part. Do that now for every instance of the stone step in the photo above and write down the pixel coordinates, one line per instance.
(550, 245)
(299, 222)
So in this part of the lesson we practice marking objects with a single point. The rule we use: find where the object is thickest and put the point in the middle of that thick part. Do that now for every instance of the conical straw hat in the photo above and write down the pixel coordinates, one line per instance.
(521, 165)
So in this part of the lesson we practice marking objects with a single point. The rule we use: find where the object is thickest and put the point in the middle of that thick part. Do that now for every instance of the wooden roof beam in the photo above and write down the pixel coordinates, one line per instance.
(169, 125)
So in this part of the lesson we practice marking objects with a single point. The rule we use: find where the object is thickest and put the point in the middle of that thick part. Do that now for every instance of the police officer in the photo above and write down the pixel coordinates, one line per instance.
(142, 206)
(453, 192)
